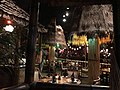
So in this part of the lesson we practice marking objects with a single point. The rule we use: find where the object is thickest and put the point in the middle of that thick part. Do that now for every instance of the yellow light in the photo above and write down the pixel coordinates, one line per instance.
(79, 40)
(105, 40)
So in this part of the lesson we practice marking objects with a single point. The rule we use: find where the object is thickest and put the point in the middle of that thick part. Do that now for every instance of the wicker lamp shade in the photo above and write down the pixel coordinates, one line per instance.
(96, 19)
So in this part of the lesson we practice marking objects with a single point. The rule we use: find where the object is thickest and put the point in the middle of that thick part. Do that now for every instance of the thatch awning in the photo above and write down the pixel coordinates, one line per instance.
(59, 36)
(96, 17)
(11, 11)
(56, 37)
(42, 29)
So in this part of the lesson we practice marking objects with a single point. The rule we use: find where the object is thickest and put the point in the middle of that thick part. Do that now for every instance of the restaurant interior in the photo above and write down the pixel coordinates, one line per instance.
(72, 46)
(85, 56)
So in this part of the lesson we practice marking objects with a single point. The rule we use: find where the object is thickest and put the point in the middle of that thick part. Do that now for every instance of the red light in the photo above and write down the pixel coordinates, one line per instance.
(9, 22)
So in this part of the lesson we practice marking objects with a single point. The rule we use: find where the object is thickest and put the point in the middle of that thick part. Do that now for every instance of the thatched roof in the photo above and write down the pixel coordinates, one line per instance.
(42, 29)
(59, 36)
(56, 36)
(9, 10)
(96, 17)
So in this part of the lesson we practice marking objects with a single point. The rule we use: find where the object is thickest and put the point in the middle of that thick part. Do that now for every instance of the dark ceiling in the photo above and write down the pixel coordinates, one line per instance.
(74, 2)
(56, 8)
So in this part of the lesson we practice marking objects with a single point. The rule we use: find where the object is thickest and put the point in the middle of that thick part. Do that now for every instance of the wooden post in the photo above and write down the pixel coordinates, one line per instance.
(93, 59)
(52, 41)
(116, 22)
(30, 53)
(17, 68)
(51, 53)
(115, 60)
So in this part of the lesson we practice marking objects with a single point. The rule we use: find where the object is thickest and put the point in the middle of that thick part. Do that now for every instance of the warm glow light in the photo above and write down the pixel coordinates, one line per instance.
(63, 15)
(105, 39)
(106, 50)
(68, 8)
(79, 40)
(9, 22)
(77, 48)
(59, 32)
(9, 28)
(101, 51)
(87, 49)
(64, 20)
(68, 44)
(74, 48)
(67, 14)
(82, 40)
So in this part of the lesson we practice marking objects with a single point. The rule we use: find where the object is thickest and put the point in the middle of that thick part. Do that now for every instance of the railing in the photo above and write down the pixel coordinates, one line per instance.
(18, 87)
(49, 86)
(83, 63)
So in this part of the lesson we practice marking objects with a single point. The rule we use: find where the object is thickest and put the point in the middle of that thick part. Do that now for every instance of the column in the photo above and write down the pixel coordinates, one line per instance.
(30, 53)
(93, 59)
(115, 58)
(52, 42)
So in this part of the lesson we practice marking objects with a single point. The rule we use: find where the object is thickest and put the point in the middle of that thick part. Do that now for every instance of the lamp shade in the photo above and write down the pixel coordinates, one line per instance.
(59, 36)
(96, 17)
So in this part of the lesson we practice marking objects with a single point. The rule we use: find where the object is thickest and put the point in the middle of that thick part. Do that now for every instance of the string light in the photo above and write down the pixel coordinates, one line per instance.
(68, 8)
(68, 44)
(74, 48)
(79, 47)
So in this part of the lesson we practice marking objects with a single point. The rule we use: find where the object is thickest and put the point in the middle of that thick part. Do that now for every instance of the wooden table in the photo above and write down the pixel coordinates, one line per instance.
(63, 80)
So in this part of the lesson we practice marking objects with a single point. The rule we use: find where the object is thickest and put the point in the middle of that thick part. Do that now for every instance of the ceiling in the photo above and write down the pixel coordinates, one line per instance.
(74, 2)
(56, 8)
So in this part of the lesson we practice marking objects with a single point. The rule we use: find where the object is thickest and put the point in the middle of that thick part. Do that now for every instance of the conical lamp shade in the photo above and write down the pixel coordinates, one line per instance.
(60, 37)
(96, 17)
(56, 35)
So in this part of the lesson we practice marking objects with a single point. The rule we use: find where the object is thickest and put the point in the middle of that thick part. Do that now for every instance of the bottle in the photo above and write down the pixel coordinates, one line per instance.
(53, 78)
(72, 77)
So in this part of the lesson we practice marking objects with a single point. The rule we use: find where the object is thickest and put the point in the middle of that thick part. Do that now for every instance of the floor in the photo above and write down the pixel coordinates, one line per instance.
(83, 75)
